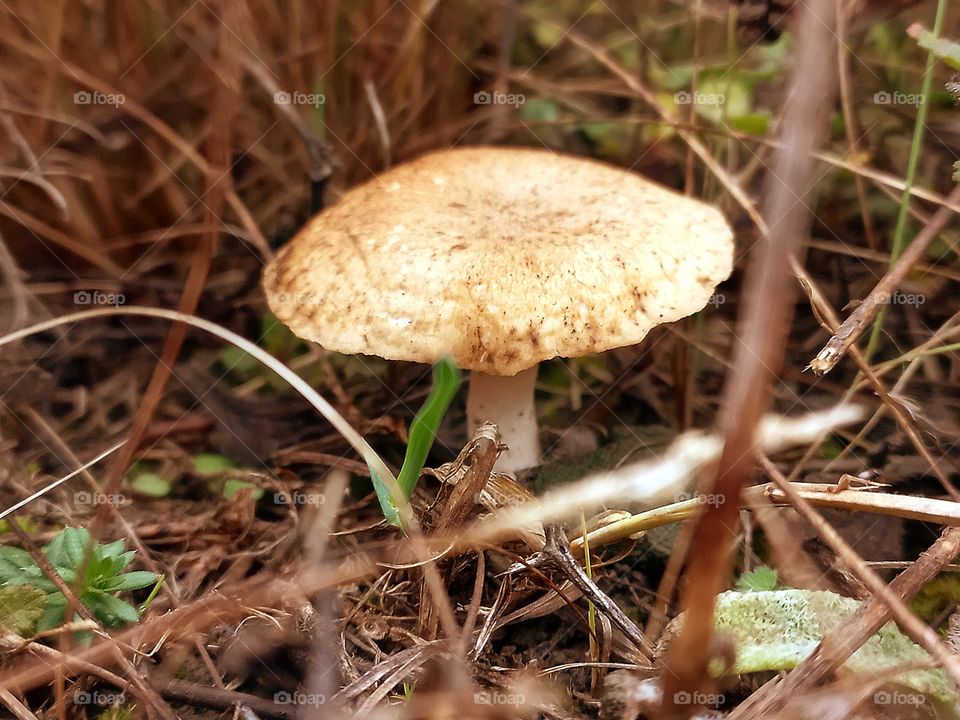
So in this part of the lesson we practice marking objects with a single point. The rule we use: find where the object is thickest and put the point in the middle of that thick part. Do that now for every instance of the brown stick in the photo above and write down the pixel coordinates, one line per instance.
(769, 300)
(19, 710)
(853, 327)
(897, 412)
(557, 551)
(220, 699)
(479, 456)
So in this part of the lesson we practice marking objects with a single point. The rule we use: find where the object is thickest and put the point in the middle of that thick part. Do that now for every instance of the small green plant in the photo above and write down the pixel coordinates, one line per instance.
(145, 478)
(218, 465)
(276, 339)
(407, 694)
(119, 712)
(97, 588)
(423, 430)
(936, 596)
(759, 580)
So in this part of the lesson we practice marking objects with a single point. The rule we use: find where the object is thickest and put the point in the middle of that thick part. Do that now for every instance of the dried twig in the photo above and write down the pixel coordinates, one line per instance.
(197, 695)
(17, 708)
(557, 552)
(478, 457)
(930, 510)
(768, 300)
(852, 328)
(323, 677)
(899, 414)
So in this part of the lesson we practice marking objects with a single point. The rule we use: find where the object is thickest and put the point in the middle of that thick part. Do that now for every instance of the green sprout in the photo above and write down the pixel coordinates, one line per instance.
(102, 578)
(423, 430)
(761, 579)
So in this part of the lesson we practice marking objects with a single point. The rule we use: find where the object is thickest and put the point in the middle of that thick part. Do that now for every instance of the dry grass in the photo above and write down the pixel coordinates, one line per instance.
(146, 161)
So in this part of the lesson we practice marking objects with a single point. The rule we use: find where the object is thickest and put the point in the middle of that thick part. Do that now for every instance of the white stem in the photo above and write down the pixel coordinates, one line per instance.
(508, 402)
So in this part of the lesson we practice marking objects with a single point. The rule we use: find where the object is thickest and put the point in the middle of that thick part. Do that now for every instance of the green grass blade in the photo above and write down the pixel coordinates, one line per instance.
(899, 233)
(423, 430)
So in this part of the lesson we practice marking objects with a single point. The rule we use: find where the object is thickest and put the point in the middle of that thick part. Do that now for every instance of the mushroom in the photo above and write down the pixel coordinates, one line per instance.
(501, 257)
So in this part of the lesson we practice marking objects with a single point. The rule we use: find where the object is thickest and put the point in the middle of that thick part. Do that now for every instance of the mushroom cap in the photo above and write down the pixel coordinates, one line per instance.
(501, 257)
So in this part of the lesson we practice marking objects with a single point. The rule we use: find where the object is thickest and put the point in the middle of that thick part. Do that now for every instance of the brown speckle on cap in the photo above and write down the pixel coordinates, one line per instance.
(502, 257)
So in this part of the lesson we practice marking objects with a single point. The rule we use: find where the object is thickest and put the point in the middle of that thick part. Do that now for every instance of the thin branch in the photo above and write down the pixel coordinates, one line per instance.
(858, 321)
(768, 303)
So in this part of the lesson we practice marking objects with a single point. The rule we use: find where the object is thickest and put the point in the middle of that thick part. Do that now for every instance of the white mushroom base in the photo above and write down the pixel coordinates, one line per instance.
(508, 402)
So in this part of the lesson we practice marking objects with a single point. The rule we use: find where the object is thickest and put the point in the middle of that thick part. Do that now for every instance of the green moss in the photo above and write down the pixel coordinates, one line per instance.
(776, 630)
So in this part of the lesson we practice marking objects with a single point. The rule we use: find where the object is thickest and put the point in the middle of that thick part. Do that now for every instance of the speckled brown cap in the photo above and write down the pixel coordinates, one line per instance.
(502, 257)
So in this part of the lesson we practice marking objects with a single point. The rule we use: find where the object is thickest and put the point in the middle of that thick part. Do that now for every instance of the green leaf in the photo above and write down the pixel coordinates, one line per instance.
(540, 110)
(763, 578)
(69, 575)
(122, 560)
(232, 486)
(276, 337)
(755, 123)
(547, 35)
(53, 613)
(109, 609)
(134, 580)
(830, 449)
(947, 51)
(936, 596)
(238, 361)
(423, 430)
(21, 607)
(387, 504)
(26, 524)
(110, 550)
(720, 98)
(208, 463)
(775, 631)
(150, 484)
(607, 136)
(34, 576)
(13, 564)
(68, 547)
(102, 578)
(97, 569)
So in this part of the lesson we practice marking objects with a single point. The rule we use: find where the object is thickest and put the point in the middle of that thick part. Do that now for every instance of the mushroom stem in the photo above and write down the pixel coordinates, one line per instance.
(508, 402)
